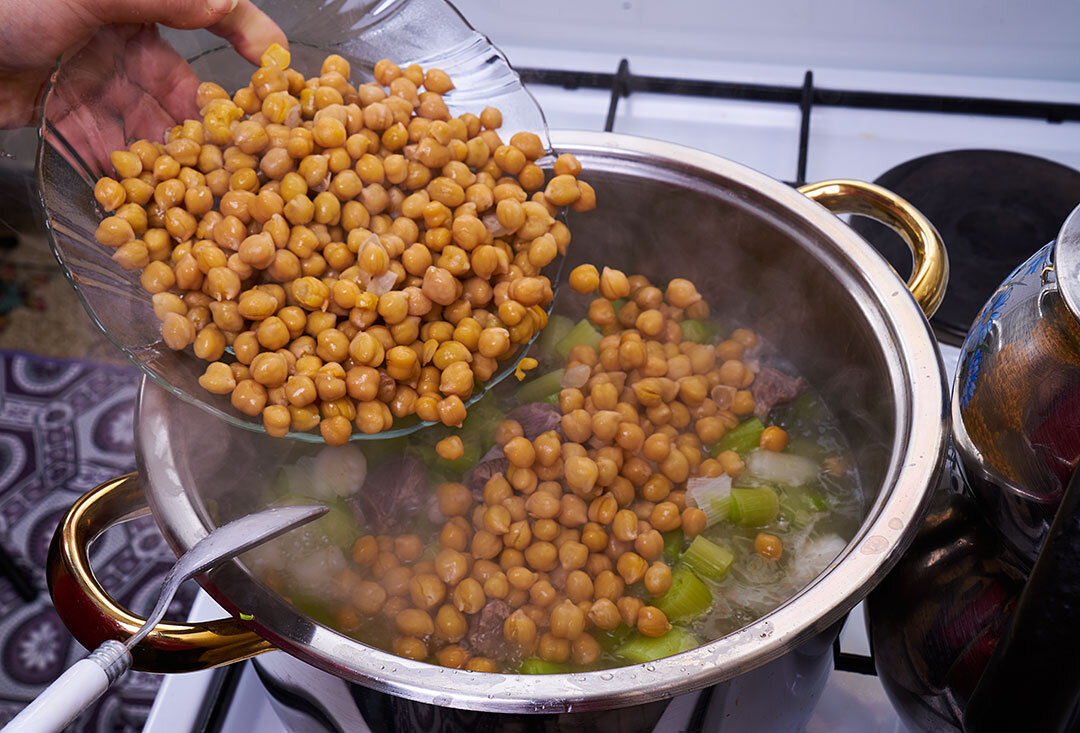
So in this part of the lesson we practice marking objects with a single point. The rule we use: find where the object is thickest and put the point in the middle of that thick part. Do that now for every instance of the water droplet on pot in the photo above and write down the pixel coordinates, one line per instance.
(607, 676)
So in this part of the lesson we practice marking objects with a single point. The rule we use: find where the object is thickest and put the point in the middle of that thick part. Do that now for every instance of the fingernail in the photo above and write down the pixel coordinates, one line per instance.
(222, 6)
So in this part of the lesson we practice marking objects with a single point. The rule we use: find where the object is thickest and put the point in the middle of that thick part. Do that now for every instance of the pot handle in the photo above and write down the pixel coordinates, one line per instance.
(93, 616)
(930, 272)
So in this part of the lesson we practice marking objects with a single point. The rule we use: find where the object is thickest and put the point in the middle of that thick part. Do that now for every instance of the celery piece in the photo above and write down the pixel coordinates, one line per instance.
(583, 333)
(753, 507)
(555, 331)
(688, 597)
(673, 543)
(742, 439)
(639, 649)
(338, 526)
(538, 388)
(701, 332)
(708, 559)
(536, 665)
(610, 640)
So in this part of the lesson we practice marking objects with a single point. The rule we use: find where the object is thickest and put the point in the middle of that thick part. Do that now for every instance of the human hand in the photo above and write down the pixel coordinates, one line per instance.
(35, 33)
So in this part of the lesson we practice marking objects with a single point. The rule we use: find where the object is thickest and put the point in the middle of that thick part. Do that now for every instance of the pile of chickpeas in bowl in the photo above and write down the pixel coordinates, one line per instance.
(567, 544)
(364, 255)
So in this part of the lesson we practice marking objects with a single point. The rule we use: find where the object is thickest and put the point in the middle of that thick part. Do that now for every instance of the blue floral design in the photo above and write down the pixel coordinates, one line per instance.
(975, 344)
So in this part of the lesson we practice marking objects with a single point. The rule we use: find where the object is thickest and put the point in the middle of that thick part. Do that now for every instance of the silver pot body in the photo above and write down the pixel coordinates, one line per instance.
(763, 255)
(777, 697)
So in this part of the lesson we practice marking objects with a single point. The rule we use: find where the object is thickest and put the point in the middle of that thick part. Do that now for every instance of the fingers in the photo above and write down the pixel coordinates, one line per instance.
(249, 30)
(183, 14)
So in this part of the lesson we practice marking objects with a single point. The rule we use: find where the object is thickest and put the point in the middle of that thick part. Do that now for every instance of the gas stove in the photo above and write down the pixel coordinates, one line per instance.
(800, 97)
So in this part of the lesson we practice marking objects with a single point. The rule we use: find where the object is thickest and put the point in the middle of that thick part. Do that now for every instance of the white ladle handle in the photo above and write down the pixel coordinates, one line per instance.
(73, 691)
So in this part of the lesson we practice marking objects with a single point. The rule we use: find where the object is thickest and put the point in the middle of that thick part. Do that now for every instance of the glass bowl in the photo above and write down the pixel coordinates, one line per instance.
(132, 82)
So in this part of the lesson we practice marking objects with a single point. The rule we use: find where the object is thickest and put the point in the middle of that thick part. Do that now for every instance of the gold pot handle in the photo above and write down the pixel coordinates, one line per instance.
(930, 273)
(93, 616)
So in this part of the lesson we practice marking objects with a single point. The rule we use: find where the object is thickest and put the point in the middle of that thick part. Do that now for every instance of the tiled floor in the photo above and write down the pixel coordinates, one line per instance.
(39, 309)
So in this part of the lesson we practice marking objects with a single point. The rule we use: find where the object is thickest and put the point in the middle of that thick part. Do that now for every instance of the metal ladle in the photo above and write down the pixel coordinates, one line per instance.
(88, 678)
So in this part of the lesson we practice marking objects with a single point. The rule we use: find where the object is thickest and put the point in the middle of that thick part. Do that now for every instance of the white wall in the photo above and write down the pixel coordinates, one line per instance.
(1033, 39)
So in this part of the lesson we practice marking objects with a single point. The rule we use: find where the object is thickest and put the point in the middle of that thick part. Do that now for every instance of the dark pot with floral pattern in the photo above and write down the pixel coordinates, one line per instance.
(984, 600)
(1016, 400)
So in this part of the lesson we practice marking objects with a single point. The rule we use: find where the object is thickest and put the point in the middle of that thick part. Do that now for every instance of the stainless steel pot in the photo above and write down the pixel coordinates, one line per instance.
(763, 254)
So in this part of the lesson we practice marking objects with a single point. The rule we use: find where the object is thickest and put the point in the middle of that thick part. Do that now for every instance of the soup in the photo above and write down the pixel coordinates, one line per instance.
(653, 480)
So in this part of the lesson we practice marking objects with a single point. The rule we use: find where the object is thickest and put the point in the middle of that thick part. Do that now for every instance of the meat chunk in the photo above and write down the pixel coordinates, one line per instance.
(536, 418)
(771, 387)
(489, 465)
(392, 495)
(486, 630)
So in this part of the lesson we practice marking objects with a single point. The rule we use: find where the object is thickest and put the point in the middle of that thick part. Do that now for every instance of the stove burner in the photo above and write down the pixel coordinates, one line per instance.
(993, 209)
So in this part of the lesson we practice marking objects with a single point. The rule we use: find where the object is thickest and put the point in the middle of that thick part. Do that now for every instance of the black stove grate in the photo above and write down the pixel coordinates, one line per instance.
(624, 82)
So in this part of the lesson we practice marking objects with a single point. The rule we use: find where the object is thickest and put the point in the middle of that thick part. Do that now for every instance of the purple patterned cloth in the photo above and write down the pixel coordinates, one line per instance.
(65, 427)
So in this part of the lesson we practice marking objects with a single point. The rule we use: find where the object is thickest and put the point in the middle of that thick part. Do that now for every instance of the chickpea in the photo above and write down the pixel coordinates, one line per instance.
(774, 438)
(681, 293)
(454, 499)
(732, 463)
(657, 580)
(581, 474)
(567, 620)
(573, 555)
(613, 284)
(414, 622)
(693, 522)
(629, 608)
(520, 452)
(608, 585)
(450, 448)
(651, 621)
(649, 543)
(218, 379)
(520, 629)
(631, 567)
(542, 556)
(768, 546)
(624, 525)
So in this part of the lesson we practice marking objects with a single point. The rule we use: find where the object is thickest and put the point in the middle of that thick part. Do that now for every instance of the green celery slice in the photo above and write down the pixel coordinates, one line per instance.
(639, 649)
(555, 331)
(687, 598)
(536, 665)
(583, 333)
(708, 559)
(743, 438)
(539, 388)
(673, 543)
(754, 507)
(698, 331)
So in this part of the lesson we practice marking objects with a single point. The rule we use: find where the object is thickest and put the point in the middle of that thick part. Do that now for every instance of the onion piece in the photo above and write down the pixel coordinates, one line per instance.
(711, 494)
(337, 471)
(786, 469)
(576, 376)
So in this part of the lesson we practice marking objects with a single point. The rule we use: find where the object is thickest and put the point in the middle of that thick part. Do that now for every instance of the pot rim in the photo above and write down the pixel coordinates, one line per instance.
(918, 387)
